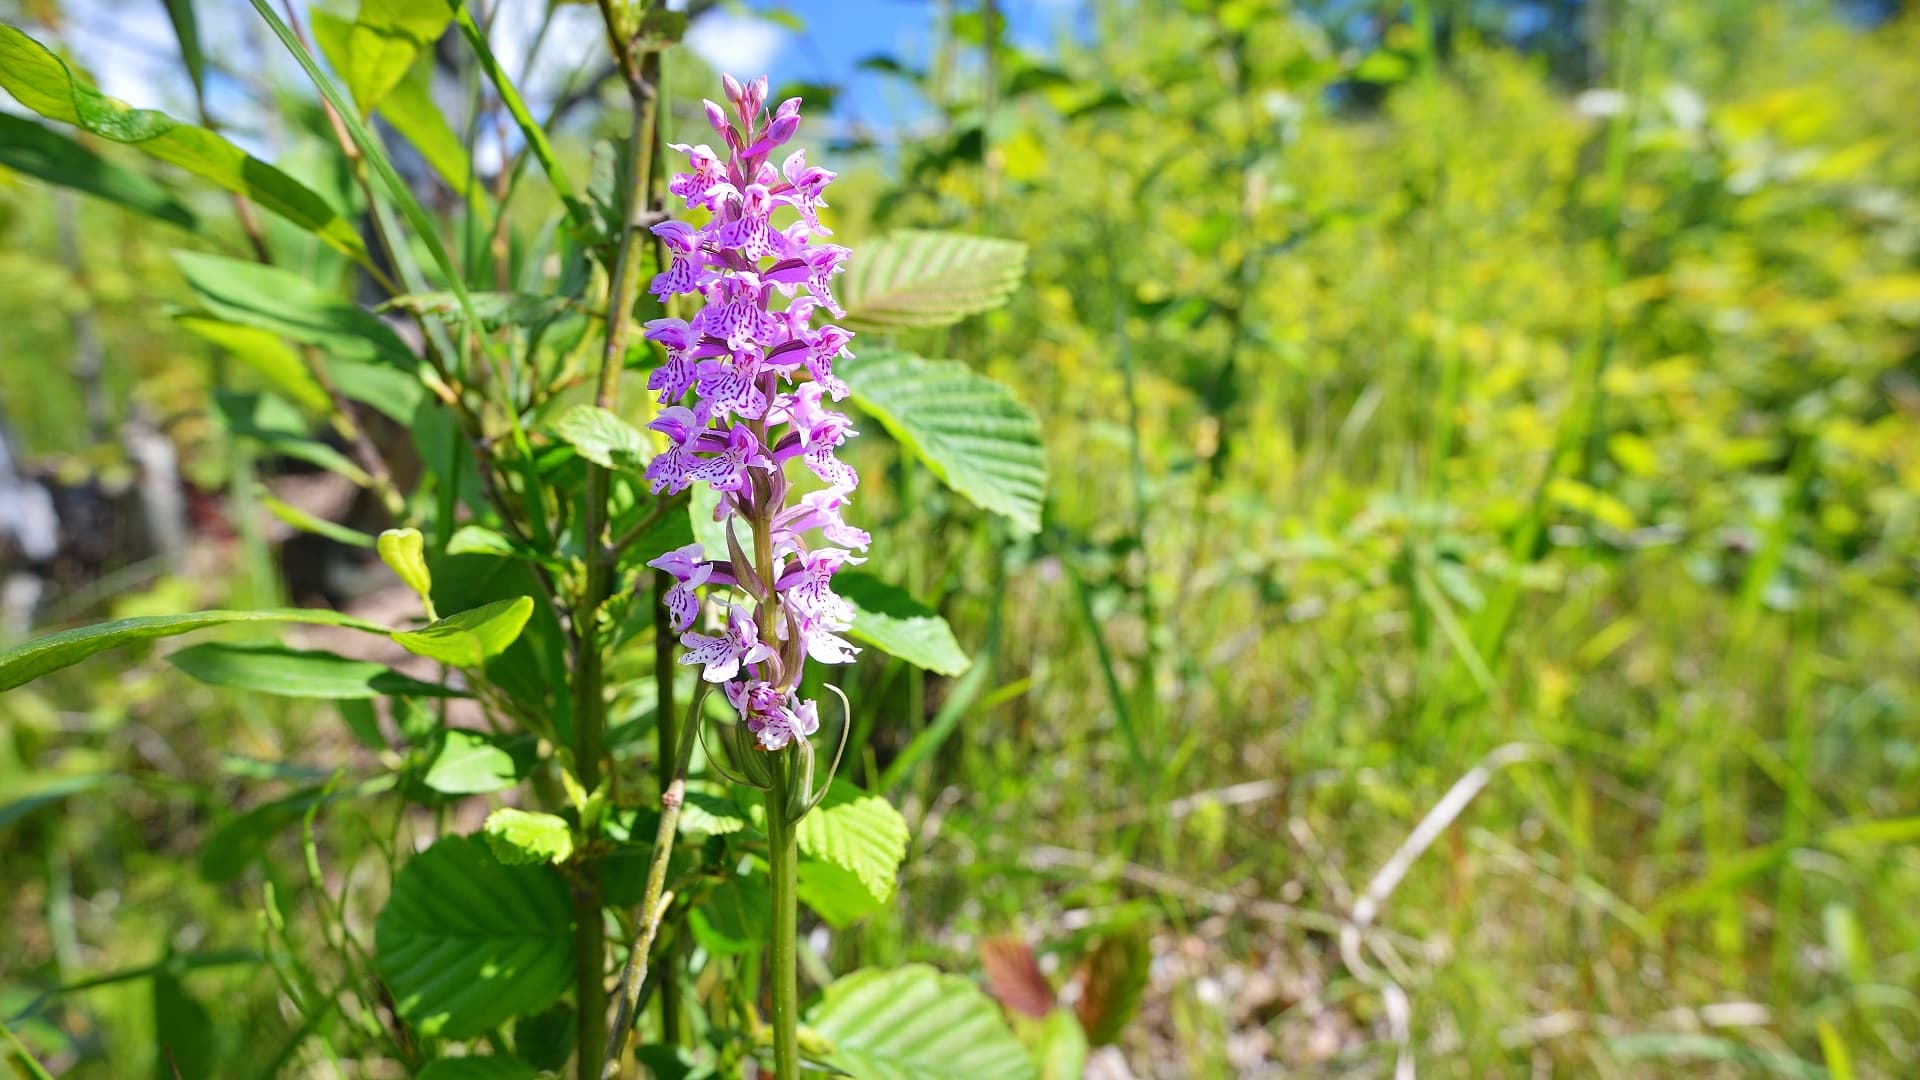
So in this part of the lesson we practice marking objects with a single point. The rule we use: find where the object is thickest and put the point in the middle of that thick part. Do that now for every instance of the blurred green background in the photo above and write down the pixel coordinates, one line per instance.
(1524, 397)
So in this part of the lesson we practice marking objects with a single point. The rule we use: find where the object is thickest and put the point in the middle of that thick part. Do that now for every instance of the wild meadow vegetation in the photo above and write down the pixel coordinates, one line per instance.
(1391, 548)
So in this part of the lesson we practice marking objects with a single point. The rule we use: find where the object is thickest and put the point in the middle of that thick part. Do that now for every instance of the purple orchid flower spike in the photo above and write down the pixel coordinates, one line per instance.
(761, 380)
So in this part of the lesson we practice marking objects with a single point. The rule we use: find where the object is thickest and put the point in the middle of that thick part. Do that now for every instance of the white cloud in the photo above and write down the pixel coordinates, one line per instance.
(740, 45)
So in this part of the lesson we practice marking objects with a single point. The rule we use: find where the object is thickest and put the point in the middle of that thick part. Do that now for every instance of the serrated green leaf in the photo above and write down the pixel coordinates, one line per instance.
(888, 619)
(545, 1039)
(914, 1023)
(470, 763)
(386, 37)
(284, 672)
(522, 837)
(25, 662)
(471, 638)
(42, 82)
(266, 354)
(605, 439)
(464, 942)
(860, 833)
(477, 1068)
(920, 278)
(970, 430)
(36, 151)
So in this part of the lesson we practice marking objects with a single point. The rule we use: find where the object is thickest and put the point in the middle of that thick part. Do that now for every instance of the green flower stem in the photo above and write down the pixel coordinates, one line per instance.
(783, 861)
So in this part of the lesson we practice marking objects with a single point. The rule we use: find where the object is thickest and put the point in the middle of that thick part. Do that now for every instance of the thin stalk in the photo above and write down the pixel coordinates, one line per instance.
(783, 869)
(654, 902)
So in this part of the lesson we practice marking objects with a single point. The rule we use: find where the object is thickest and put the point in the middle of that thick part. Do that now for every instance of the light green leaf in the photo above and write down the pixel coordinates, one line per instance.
(42, 82)
(265, 353)
(288, 304)
(834, 894)
(408, 106)
(1058, 1044)
(386, 37)
(477, 1068)
(27, 662)
(709, 811)
(470, 638)
(469, 763)
(885, 617)
(51, 792)
(914, 1023)
(404, 552)
(919, 278)
(605, 439)
(859, 833)
(464, 943)
(29, 148)
(275, 424)
(522, 838)
(308, 523)
(284, 672)
(969, 429)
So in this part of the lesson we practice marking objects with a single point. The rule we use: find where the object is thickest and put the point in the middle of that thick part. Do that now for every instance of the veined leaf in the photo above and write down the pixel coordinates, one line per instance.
(286, 303)
(471, 638)
(914, 1023)
(857, 832)
(284, 672)
(26, 662)
(918, 278)
(28, 148)
(605, 439)
(464, 942)
(969, 429)
(888, 619)
(523, 838)
(42, 82)
(386, 37)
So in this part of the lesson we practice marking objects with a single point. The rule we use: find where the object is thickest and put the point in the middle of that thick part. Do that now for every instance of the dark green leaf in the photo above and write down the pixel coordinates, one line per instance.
(732, 919)
(477, 1068)
(48, 155)
(278, 427)
(465, 943)
(24, 663)
(545, 1039)
(284, 672)
(287, 303)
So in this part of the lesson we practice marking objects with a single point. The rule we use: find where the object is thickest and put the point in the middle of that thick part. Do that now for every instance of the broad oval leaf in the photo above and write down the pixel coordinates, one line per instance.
(471, 638)
(386, 37)
(914, 1023)
(29, 148)
(888, 619)
(26, 662)
(465, 943)
(284, 672)
(42, 82)
(921, 278)
(857, 832)
(523, 837)
(605, 439)
(970, 430)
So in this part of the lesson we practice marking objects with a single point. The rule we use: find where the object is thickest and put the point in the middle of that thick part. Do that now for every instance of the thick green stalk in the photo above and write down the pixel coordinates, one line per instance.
(783, 862)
